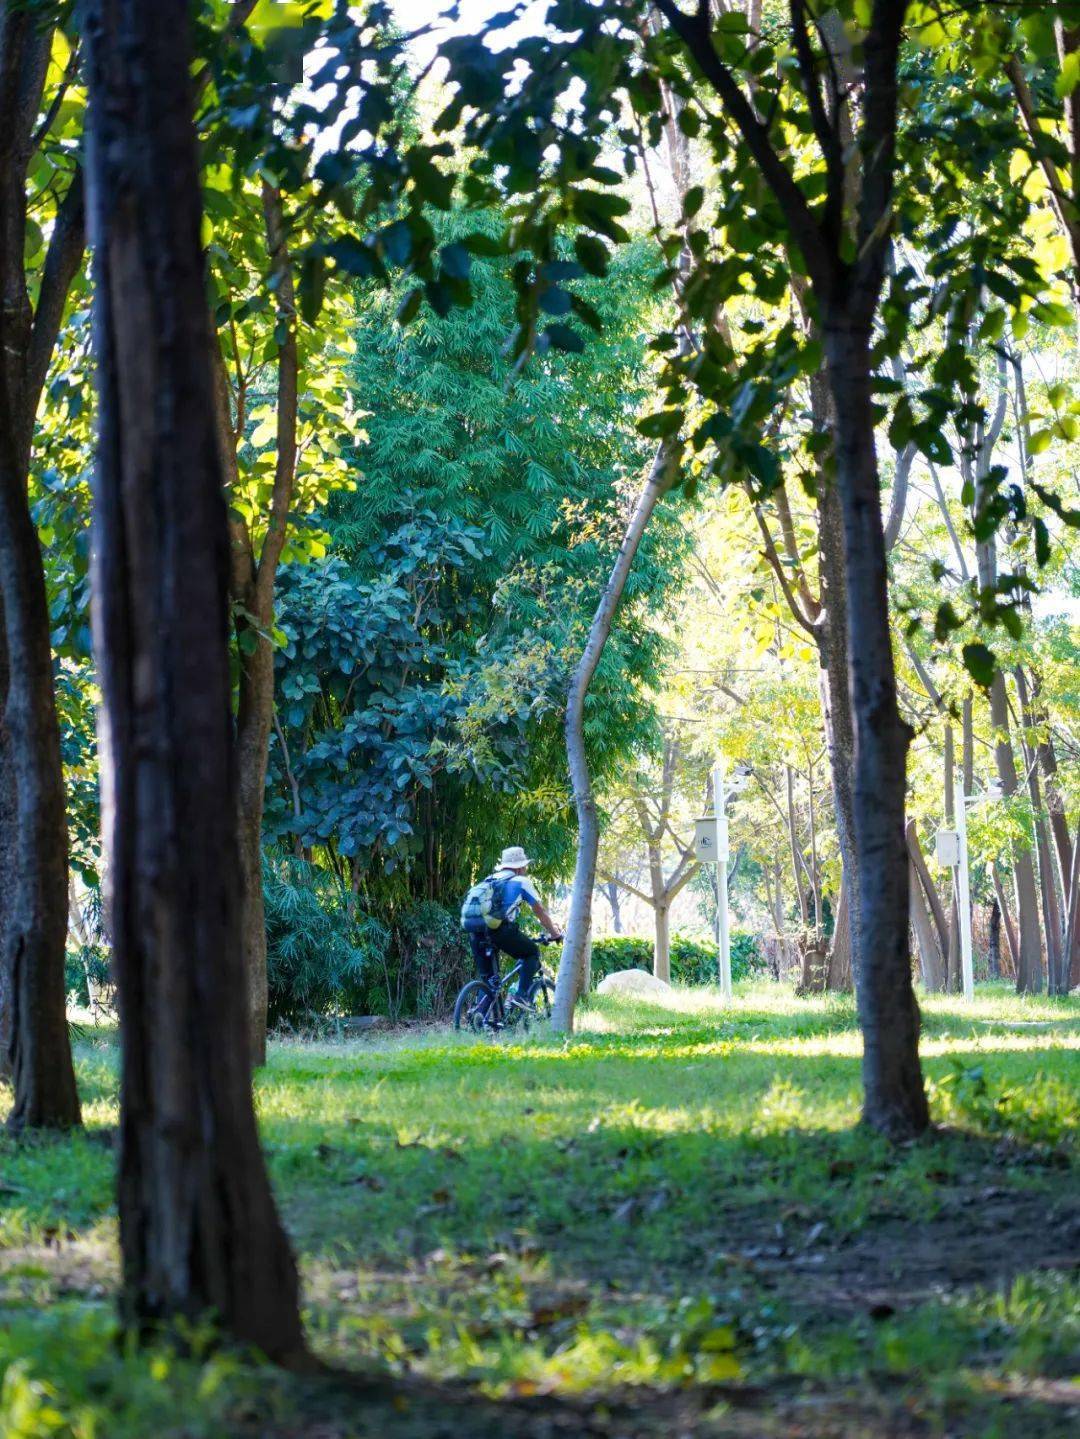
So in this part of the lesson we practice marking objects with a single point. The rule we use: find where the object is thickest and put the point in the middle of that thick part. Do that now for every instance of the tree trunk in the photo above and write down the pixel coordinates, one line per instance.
(1071, 937)
(993, 948)
(1052, 879)
(579, 924)
(1029, 967)
(35, 931)
(953, 979)
(8, 861)
(832, 628)
(34, 921)
(894, 1099)
(931, 897)
(1006, 919)
(838, 971)
(610, 891)
(586, 972)
(199, 1231)
(797, 860)
(931, 962)
(662, 948)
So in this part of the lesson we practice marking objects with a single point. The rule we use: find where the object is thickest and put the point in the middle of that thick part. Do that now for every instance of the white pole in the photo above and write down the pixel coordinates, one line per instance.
(964, 899)
(723, 939)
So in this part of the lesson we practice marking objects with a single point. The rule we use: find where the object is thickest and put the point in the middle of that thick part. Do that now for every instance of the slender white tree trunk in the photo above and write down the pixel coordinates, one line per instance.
(578, 927)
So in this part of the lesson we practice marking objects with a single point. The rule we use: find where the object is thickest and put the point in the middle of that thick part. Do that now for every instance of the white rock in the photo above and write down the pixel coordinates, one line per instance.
(632, 981)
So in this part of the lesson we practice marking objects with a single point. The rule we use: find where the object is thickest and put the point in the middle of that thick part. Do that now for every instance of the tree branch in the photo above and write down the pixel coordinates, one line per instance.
(62, 260)
(877, 143)
(778, 568)
(287, 402)
(828, 139)
(694, 32)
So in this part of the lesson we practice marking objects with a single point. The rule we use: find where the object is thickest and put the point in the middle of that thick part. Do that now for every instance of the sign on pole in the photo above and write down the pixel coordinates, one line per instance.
(711, 839)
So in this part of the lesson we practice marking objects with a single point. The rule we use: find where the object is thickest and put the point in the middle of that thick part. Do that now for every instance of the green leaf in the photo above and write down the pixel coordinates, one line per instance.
(980, 664)
(1039, 441)
(695, 198)
(456, 261)
(661, 424)
(562, 337)
(1042, 542)
(592, 253)
(312, 286)
(1069, 77)
(406, 311)
(945, 621)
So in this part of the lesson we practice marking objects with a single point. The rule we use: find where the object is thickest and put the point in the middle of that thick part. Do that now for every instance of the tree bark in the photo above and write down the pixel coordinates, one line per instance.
(1053, 874)
(1006, 919)
(836, 706)
(8, 854)
(199, 1232)
(251, 582)
(838, 972)
(1029, 966)
(894, 1097)
(610, 890)
(930, 893)
(993, 950)
(662, 945)
(579, 924)
(931, 962)
(34, 921)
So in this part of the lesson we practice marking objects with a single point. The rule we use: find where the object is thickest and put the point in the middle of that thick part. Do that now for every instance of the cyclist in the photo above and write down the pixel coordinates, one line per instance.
(512, 885)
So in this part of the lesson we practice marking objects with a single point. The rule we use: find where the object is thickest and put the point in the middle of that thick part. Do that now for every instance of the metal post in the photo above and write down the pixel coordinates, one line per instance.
(964, 898)
(723, 939)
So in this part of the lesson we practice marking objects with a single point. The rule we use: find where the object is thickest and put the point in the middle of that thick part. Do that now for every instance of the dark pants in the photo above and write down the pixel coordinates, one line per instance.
(507, 939)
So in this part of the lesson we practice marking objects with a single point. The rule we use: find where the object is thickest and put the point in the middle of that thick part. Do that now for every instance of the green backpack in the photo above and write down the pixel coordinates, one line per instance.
(484, 906)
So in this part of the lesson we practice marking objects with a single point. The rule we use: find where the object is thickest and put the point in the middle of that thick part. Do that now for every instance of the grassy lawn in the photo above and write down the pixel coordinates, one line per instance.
(675, 1200)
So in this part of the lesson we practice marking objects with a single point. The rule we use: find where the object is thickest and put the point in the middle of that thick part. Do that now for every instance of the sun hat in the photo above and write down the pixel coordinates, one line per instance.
(514, 858)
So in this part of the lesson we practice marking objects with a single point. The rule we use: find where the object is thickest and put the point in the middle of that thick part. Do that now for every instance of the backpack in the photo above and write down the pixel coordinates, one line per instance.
(484, 906)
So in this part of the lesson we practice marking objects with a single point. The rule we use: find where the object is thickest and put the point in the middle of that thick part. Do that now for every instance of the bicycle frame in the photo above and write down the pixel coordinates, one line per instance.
(499, 991)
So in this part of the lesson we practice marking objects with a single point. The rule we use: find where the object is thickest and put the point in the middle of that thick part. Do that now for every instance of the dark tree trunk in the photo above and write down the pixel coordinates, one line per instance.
(199, 1230)
(894, 1098)
(8, 862)
(33, 926)
(1006, 920)
(993, 950)
(835, 697)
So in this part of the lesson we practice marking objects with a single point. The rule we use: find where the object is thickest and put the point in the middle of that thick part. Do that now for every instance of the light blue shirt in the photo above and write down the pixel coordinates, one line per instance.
(517, 887)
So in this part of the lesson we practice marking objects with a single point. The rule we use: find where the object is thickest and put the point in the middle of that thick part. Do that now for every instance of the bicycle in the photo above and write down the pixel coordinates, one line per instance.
(504, 1010)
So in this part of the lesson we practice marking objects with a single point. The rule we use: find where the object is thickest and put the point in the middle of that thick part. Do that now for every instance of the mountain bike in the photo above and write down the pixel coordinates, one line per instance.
(485, 1006)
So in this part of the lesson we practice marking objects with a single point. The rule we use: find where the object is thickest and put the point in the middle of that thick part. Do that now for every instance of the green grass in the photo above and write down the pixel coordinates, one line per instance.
(679, 1195)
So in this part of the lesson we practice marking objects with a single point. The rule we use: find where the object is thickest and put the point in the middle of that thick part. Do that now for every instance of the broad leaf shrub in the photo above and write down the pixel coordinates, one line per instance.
(326, 958)
(320, 958)
(691, 961)
(428, 962)
(84, 965)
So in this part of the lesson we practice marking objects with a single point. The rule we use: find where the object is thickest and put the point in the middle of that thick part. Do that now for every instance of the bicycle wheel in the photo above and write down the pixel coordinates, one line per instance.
(469, 1012)
(540, 997)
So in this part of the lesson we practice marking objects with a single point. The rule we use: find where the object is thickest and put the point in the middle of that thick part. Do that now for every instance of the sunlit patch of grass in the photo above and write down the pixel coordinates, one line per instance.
(543, 1213)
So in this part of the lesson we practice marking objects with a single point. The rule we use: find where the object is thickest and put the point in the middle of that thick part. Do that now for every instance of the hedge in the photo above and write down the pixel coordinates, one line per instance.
(691, 961)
